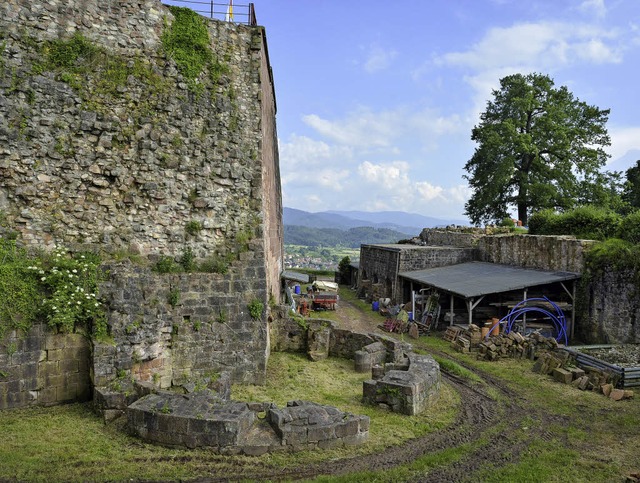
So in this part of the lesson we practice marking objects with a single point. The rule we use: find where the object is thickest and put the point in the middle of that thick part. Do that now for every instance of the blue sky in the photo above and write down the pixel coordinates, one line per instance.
(377, 99)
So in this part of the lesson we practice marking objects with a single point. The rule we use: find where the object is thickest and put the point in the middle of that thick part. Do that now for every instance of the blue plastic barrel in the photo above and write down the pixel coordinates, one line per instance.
(296, 289)
(375, 306)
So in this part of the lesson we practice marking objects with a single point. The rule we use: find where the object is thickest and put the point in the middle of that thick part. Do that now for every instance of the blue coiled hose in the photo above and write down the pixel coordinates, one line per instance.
(558, 319)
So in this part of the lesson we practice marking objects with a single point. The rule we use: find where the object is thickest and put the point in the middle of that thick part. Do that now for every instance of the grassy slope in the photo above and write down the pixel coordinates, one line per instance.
(591, 439)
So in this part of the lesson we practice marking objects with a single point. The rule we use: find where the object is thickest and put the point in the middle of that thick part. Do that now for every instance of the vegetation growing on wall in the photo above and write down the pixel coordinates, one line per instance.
(57, 287)
(76, 59)
(187, 42)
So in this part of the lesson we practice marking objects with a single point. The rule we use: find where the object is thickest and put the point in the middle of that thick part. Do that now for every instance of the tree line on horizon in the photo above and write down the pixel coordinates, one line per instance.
(335, 237)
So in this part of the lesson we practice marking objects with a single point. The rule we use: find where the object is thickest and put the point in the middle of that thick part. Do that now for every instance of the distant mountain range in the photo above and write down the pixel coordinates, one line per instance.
(352, 228)
(407, 223)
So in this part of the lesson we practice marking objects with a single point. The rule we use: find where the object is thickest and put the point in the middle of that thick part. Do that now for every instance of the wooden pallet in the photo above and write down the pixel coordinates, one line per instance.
(452, 333)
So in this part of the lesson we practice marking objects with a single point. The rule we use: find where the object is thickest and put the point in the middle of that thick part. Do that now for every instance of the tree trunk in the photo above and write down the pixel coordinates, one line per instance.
(522, 212)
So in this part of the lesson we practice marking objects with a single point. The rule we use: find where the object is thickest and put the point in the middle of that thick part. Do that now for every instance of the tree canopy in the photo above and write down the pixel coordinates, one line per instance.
(538, 147)
(632, 186)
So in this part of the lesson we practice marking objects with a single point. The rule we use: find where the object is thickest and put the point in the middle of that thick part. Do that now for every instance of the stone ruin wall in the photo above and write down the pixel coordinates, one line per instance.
(553, 253)
(379, 266)
(611, 309)
(44, 368)
(126, 172)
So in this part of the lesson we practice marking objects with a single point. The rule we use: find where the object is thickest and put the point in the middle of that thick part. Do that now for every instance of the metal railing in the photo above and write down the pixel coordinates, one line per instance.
(226, 11)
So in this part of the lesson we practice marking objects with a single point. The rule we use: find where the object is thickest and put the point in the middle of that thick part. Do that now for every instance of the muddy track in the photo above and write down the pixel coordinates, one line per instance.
(495, 423)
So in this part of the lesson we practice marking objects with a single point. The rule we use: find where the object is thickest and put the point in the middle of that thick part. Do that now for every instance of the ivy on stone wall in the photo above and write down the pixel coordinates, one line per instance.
(19, 289)
(187, 42)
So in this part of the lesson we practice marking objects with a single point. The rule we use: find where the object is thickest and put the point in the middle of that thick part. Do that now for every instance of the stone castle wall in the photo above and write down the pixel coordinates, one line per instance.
(146, 164)
(611, 309)
(44, 368)
(133, 166)
(380, 265)
(553, 253)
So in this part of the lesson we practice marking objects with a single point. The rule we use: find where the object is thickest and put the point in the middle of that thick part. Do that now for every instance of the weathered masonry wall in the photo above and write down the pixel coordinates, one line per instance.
(43, 368)
(380, 265)
(144, 163)
(611, 309)
(131, 165)
(171, 329)
(561, 253)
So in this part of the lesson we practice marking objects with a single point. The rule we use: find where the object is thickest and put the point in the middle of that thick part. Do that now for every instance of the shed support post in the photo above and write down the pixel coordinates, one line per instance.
(524, 315)
(451, 311)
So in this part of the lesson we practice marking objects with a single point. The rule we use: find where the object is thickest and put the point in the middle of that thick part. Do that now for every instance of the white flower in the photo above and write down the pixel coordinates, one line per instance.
(43, 278)
(74, 271)
(97, 304)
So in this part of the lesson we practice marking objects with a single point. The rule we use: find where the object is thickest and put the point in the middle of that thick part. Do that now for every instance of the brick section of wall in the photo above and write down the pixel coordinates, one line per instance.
(43, 368)
(207, 329)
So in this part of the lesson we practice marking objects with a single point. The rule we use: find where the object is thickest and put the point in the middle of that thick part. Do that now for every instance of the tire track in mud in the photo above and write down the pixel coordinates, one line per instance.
(496, 420)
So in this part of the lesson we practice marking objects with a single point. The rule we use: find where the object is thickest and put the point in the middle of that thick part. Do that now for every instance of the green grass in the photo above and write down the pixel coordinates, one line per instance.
(72, 444)
(335, 383)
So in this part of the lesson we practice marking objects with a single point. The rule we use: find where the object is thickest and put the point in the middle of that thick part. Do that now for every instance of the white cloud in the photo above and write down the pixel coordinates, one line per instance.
(379, 59)
(364, 128)
(394, 173)
(594, 7)
(623, 140)
(544, 45)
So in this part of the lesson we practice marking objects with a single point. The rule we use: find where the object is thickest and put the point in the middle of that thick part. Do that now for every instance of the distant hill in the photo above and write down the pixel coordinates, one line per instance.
(331, 237)
(408, 223)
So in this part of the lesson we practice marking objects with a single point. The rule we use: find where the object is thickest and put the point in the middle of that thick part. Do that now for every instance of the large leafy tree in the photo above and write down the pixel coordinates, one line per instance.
(632, 186)
(538, 147)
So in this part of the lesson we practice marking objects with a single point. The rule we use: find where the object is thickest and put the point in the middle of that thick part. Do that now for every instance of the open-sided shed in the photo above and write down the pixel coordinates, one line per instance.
(473, 281)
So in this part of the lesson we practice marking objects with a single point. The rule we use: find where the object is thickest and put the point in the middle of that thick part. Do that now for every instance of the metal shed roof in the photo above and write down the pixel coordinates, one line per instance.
(295, 276)
(474, 279)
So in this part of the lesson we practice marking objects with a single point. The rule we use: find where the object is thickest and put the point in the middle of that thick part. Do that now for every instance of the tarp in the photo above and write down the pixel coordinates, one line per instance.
(324, 286)
(474, 279)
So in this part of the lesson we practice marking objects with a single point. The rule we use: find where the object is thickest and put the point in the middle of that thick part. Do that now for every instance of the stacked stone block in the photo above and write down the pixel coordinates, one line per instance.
(203, 420)
(409, 391)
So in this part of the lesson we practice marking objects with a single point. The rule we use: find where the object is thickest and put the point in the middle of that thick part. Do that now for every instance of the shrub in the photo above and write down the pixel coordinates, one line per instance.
(507, 222)
(629, 228)
(193, 227)
(544, 222)
(165, 265)
(187, 260)
(591, 222)
(20, 296)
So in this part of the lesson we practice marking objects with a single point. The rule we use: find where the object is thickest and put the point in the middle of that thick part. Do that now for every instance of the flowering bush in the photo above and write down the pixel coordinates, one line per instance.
(70, 285)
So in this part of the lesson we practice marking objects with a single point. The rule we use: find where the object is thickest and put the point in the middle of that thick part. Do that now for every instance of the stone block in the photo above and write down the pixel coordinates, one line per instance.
(66, 366)
(562, 375)
(320, 433)
(617, 394)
